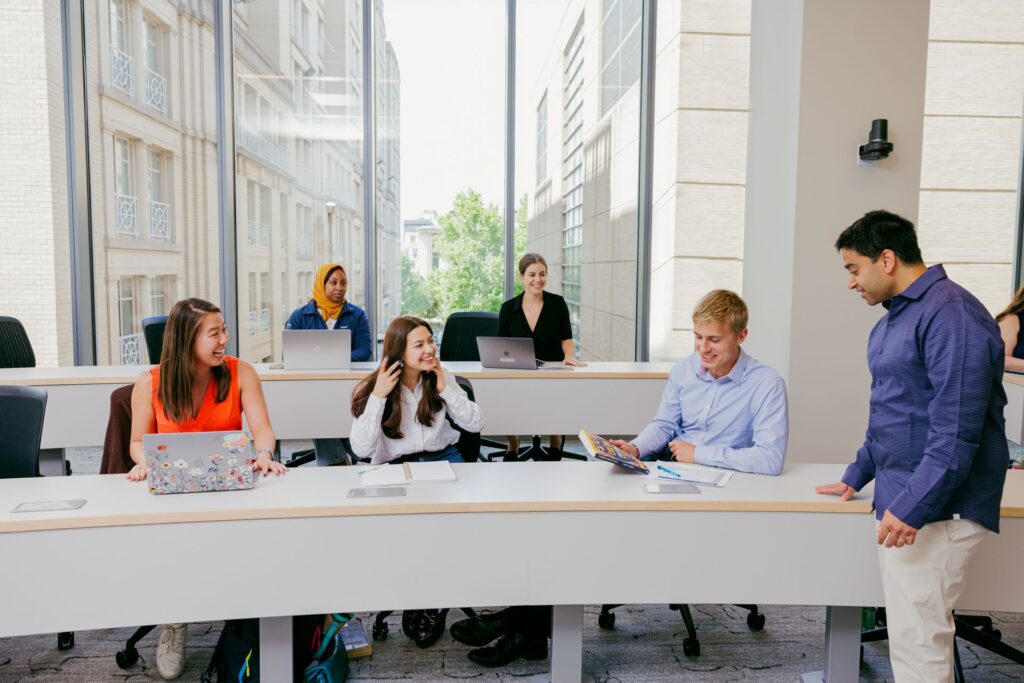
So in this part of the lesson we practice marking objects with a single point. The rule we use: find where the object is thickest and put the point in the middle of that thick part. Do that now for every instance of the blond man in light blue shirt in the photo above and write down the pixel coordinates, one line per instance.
(721, 407)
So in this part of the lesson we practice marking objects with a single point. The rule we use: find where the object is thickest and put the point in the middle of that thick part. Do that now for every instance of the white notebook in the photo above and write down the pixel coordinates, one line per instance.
(407, 473)
(693, 474)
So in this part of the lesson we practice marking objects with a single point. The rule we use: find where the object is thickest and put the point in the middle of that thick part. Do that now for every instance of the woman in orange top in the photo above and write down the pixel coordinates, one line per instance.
(197, 388)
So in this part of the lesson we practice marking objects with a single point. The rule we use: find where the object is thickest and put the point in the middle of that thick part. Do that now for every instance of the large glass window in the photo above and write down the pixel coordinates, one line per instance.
(440, 122)
(153, 165)
(298, 134)
(577, 170)
(699, 180)
(972, 142)
(35, 271)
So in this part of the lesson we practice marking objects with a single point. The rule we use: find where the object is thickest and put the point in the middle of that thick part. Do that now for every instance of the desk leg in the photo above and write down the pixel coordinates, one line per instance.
(566, 646)
(276, 648)
(842, 647)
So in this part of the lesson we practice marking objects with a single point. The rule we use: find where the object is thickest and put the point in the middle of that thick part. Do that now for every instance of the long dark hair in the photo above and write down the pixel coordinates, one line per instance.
(1016, 306)
(394, 348)
(178, 374)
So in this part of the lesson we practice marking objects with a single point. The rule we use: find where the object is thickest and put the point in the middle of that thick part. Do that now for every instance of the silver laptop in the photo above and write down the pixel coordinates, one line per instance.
(195, 462)
(512, 353)
(317, 349)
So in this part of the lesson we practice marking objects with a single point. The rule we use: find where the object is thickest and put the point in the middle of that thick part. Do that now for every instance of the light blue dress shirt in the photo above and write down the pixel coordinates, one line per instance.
(739, 421)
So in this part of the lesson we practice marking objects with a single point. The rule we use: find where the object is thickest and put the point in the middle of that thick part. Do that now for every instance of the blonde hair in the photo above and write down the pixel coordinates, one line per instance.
(722, 305)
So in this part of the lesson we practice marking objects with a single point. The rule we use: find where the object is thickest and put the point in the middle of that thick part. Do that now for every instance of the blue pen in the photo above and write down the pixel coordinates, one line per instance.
(672, 472)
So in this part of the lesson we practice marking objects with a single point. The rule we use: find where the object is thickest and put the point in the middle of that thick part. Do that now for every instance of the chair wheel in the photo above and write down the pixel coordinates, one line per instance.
(606, 620)
(755, 621)
(127, 657)
(380, 631)
(409, 623)
(992, 632)
(430, 626)
(691, 647)
(65, 640)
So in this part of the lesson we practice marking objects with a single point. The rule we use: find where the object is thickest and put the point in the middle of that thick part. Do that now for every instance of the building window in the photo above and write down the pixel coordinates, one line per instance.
(156, 297)
(126, 204)
(572, 174)
(542, 138)
(122, 65)
(156, 82)
(620, 49)
(159, 209)
(130, 338)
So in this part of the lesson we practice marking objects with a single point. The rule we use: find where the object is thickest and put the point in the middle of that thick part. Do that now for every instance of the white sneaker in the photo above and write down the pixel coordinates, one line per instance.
(170, 651)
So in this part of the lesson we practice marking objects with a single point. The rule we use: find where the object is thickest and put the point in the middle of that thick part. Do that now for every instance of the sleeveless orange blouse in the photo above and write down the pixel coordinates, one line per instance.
(212, 417)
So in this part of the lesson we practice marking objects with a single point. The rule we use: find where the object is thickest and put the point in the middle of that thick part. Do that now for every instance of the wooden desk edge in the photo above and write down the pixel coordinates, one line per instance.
(1014, 379)
(91, 522)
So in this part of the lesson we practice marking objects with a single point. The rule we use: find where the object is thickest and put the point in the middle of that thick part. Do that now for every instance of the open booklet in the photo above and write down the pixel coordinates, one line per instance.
(407, 473)
(603, 449)
(693, 474)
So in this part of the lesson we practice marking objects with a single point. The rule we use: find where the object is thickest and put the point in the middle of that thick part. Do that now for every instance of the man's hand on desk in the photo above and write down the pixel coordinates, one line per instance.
(893, 532)
(837, 489)
(136, 473)
(626, 447)
(683, 451)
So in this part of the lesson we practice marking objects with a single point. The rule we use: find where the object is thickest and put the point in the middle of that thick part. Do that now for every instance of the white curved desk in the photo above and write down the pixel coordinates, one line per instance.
(561, 533)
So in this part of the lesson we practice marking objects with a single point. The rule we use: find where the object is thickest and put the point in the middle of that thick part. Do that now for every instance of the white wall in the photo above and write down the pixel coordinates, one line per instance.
(821, 70)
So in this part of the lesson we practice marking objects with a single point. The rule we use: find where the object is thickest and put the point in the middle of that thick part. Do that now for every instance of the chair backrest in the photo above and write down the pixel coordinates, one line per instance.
(15, 347)
(469, 442)
(153, 331)
(460, 332)
(116, 458)
(21, 430)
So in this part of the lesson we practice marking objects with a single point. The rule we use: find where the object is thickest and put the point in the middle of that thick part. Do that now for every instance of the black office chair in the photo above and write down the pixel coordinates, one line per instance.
(15, 347)
(458, 343)
(427, 626)
(22, 410)
(974, 628)
(691, 645)
(153, 332)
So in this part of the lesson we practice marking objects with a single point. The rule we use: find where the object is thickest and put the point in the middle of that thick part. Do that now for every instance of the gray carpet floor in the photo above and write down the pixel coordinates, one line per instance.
(645, 646)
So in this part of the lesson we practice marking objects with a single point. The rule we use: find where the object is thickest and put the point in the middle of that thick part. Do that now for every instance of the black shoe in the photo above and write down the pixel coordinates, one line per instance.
(510, 648)
(481, 630)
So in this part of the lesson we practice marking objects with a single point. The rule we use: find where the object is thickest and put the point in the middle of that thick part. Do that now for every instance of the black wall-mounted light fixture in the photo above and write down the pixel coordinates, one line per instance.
(878, 146)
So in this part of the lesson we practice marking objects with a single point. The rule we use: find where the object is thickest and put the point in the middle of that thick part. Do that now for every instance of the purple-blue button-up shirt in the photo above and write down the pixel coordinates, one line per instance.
(936, 440)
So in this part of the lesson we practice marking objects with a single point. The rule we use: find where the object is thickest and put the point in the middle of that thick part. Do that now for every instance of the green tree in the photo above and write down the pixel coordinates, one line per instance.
(472, 244)
(417, 297)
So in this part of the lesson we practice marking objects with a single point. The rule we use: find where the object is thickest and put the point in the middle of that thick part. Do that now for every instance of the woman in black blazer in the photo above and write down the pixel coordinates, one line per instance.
(541, 316)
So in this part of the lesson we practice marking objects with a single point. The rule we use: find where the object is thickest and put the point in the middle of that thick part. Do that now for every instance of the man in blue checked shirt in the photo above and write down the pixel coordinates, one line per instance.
(721, 407)
(935, 444)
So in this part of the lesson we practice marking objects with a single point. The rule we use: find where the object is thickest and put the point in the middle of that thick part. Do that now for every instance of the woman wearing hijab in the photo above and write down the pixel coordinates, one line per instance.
(328, 310)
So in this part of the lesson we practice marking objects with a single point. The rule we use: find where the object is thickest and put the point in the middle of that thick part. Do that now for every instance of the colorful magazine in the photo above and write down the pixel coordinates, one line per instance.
(603, 449)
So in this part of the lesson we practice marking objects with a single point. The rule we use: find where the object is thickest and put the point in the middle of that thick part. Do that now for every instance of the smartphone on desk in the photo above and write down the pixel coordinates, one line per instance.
(670, 488)
(377, 492)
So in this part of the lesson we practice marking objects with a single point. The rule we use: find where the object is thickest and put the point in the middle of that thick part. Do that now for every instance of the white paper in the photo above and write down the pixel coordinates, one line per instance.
(692, 474)
(420, 472)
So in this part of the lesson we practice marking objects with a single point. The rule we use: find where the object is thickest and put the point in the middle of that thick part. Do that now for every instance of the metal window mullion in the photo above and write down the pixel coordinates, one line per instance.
(510, 145)
(370, 170)
(1018, 251)
(224, 66)
(83, 283)
(645, 193)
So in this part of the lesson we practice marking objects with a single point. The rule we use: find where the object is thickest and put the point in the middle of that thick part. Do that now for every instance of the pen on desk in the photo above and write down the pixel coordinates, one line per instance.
(672, 472)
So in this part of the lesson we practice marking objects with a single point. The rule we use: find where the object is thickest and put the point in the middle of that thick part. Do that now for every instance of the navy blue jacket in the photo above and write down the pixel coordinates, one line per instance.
(351, 318)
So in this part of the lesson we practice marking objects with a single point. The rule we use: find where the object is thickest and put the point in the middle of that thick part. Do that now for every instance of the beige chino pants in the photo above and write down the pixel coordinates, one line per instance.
(922, 582)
